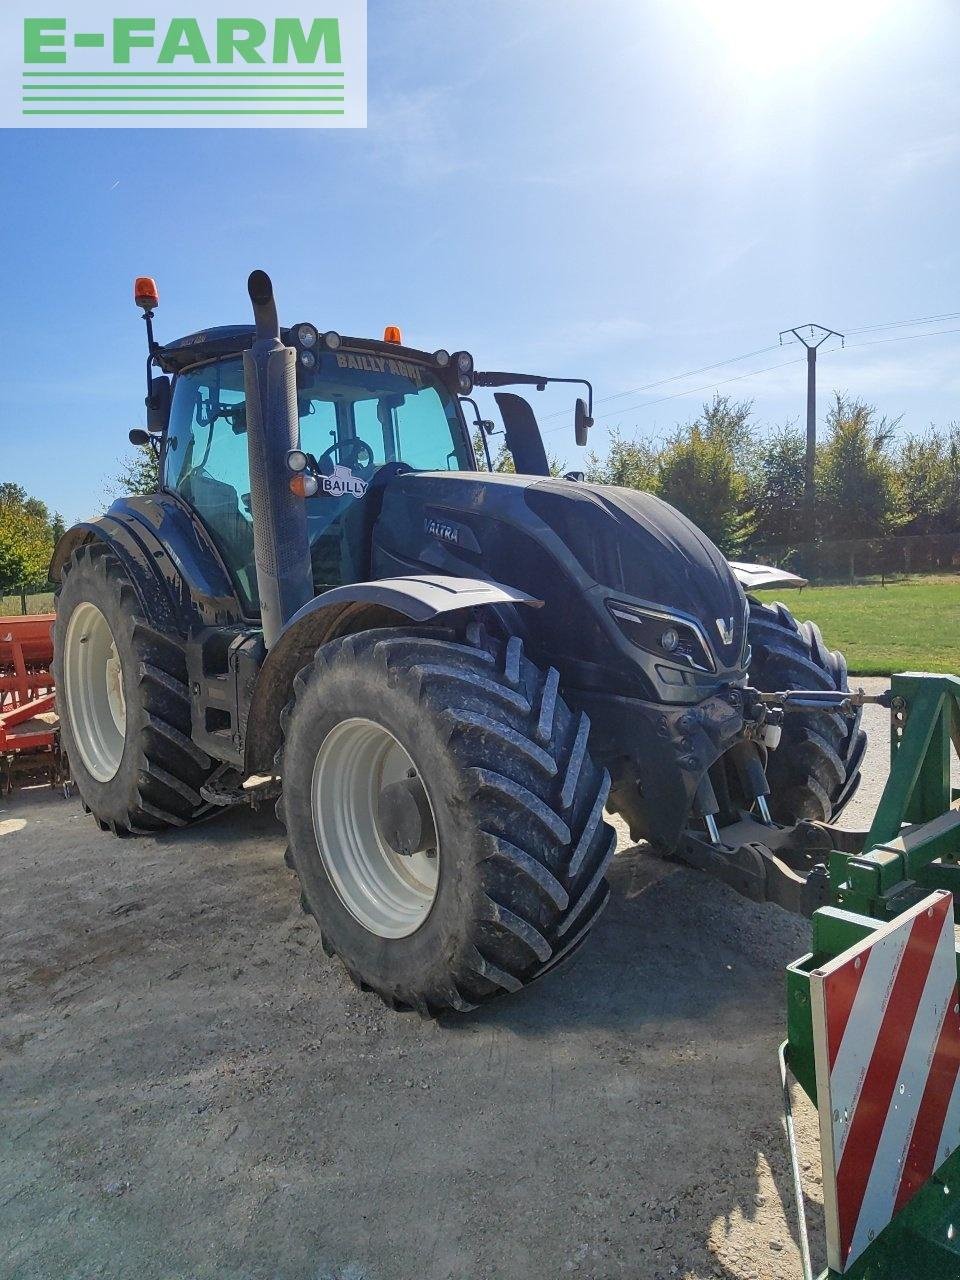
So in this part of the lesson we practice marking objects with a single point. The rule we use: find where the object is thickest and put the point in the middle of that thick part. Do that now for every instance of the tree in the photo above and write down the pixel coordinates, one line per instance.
(929, 468)
(502, 460)
(696, 473)
(858, 488)
(27, 534)
(631, 463)
(778, 497)
(139, 473)
(729, 422)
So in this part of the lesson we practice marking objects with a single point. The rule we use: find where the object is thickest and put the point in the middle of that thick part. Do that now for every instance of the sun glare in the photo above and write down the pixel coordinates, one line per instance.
(771, 36)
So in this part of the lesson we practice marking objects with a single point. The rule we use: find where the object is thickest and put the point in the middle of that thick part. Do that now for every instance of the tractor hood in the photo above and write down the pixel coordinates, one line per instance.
(639, 546)
(616, 569)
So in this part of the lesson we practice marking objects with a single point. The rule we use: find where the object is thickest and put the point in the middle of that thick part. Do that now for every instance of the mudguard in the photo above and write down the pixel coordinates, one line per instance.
(175, 569)
(760, 577)
(384, 603)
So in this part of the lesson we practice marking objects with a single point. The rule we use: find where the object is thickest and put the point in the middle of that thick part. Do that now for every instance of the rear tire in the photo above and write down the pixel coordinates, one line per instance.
(123, 702)
(515, 800)
(815, 770)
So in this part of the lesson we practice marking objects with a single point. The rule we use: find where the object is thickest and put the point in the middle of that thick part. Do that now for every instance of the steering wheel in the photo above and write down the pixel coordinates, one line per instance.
(351, 452)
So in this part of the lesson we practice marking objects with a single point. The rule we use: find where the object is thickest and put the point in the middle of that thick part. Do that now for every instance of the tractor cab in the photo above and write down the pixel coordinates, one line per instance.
(366, 410)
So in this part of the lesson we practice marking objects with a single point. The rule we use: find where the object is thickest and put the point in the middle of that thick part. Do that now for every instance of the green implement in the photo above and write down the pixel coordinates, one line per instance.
(873, 1014)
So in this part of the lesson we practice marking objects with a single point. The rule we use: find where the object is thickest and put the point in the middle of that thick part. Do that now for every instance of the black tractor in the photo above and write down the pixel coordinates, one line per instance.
(443, 675)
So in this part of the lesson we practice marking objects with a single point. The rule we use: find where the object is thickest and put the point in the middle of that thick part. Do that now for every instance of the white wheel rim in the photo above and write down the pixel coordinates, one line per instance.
(390, 894)
(95, 702)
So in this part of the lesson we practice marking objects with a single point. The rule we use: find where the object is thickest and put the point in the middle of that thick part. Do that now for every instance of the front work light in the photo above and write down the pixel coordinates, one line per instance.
(464, 362)
(442, 358)
(332, 339)
(307, 335)
(307, 359)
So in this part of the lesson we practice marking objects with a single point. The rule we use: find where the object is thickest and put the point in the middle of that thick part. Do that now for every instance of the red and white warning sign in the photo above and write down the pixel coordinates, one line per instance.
(886, 1025)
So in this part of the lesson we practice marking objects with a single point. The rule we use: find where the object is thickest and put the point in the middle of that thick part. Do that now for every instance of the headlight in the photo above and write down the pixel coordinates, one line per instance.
(464, 362)
(307, 335)
(296, 460)
(661, 634)
(465, 384)
(670, 639)
(307, 359)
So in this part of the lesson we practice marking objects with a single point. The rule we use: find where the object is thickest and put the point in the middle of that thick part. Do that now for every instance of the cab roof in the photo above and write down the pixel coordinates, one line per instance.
(232, 339)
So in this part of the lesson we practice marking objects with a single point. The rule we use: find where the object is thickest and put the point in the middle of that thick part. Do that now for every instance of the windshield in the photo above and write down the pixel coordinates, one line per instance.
(357, 412)
(400, 410)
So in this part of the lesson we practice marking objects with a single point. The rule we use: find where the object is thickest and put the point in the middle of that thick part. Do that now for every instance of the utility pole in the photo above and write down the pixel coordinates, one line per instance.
(811, 336)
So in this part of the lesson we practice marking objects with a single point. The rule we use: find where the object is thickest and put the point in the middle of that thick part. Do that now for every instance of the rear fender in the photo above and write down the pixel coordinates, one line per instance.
(389, 602)
(178, 576)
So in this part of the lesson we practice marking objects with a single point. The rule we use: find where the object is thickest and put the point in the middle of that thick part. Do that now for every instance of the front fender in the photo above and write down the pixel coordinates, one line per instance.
(388, 602)
(760, 577)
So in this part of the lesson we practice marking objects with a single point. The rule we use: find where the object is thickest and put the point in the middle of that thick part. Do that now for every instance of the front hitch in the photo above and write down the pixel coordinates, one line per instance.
(762, 859)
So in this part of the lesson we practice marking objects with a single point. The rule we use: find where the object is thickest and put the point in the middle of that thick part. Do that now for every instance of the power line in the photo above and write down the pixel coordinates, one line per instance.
(903, 337)
(690, 373)
(748, 355)
(680, 395)
(692, 391)
(903, 324)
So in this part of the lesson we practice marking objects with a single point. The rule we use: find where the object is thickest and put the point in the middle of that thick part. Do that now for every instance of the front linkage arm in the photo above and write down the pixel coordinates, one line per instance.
(763, 860)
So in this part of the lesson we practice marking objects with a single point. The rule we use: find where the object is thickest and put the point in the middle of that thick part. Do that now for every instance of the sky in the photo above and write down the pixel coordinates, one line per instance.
(624, 190)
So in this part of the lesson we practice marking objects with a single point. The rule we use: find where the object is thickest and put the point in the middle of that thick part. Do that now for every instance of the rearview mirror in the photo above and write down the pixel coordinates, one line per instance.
(139, 436)
(158, 404)
(582, 422)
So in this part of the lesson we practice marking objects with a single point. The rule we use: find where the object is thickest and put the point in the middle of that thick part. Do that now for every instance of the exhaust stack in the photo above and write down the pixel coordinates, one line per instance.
(280, 544)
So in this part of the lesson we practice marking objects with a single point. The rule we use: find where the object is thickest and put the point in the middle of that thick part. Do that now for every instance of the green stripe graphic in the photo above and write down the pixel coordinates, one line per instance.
(34, 111)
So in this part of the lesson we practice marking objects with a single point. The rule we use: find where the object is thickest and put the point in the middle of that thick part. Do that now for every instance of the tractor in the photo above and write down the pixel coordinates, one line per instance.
(443, 675)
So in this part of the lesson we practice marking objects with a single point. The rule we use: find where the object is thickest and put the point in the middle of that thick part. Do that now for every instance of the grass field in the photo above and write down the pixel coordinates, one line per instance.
(909, 625)
(912, 624)
(35, 604)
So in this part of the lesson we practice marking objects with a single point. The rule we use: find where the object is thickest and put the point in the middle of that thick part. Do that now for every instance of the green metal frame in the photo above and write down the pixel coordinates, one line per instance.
(913, 848)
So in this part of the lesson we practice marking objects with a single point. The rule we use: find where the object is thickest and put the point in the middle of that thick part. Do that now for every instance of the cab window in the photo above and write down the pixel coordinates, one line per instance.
(357, 412)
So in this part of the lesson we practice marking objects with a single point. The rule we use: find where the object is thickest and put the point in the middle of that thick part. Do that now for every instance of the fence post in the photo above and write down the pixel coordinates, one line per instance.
(23, 599)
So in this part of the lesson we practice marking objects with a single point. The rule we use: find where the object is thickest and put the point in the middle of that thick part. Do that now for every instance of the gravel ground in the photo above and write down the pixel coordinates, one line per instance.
(191, 1090)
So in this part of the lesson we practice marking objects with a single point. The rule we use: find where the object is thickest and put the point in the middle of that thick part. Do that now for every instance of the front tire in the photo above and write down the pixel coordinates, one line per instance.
(123, 703)
(501, 799)
(815, 770)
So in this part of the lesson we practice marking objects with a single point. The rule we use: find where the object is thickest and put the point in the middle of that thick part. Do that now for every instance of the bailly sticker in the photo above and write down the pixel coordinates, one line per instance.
(342, 481)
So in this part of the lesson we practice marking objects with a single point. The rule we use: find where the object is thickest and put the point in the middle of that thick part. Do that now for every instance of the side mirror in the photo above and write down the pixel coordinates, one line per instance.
(158, 405)
(139, 436)
(582, 422)
(488, 425)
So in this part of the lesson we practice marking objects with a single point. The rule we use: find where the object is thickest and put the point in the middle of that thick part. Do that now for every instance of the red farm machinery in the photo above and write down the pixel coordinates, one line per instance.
(29, 735)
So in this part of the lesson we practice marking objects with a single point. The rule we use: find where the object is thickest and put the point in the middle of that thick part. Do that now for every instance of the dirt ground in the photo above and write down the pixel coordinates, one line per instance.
(191, 1090)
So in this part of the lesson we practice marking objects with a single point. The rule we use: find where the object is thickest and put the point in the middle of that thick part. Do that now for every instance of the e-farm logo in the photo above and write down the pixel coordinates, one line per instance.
(221, 64)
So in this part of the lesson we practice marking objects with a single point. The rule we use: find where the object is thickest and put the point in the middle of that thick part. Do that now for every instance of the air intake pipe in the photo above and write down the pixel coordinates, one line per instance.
(280, 544)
